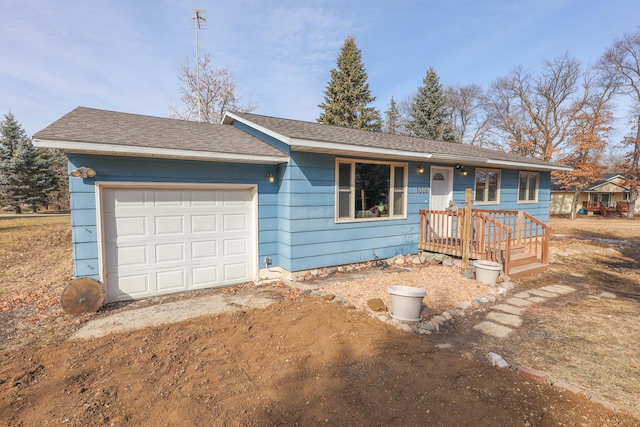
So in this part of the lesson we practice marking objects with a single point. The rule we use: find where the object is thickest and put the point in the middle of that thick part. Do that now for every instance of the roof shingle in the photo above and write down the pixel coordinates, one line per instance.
(123, 129)
(296, 129)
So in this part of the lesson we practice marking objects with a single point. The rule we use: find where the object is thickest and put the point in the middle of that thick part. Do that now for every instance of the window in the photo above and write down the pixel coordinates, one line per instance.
(487, 186)
(528, 187)
(370, 190)
(605, 198)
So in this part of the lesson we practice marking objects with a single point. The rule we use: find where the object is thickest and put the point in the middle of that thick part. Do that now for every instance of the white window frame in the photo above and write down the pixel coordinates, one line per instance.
(486, 193)
(527, 189)
(352, 190)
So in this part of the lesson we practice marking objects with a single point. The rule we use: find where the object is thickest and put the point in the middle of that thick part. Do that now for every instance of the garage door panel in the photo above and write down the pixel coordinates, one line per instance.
(131, 285)
(205, 277)
(203, 199)
(202, 250)
(128, 199)
(170, 224)
(132, 256)
(127, 227)
(234, 247)
(235, 198)
(235, 272)
(235, 222)
(167, 198)
(171, 280)
(159, 241)
(204, 224)
(170, 252)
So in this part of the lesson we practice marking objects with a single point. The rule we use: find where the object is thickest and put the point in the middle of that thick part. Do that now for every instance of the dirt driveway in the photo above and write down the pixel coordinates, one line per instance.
(308, 360)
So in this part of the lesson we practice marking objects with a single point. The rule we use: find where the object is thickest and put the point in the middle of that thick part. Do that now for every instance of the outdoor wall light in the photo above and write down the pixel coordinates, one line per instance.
(463, 171)
(420, 169)
(83, 172)
(271, 178)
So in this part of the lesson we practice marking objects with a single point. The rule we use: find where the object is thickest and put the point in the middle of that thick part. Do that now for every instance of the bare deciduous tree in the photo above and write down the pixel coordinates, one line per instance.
(467, 107)
(536, 112)
(622, 60)
(210, 89)
(588, 137)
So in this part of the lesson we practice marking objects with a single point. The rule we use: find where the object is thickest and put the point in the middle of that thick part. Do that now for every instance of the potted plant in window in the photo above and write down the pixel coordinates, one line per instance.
(382, 206)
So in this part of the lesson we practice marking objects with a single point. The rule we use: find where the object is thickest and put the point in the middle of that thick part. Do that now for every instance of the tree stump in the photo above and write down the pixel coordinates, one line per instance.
(81, 296)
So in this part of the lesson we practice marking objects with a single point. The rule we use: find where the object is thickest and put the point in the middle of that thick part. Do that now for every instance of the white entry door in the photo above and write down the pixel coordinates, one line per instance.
(164, 240)
(441, 194)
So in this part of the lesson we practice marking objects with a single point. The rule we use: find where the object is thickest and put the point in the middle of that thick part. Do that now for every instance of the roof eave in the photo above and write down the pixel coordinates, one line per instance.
(229, 118)
(314, 146)
(529, 166)
(165, 153)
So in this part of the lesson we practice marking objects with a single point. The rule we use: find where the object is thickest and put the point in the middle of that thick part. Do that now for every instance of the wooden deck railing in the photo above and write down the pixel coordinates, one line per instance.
(491, 236)
(527, 231)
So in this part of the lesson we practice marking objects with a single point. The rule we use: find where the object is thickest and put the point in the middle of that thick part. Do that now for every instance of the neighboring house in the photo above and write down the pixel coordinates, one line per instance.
(162, 205)
(608, 190)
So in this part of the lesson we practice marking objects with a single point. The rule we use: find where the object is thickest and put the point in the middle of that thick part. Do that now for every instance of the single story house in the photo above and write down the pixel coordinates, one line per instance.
(609, 189)
(161, 205)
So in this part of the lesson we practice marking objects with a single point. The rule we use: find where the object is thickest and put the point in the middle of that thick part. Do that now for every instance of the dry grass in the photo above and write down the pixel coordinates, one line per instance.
(598, 227)
(591, 344)
(34, 252)
(588, 341)
(35, 266)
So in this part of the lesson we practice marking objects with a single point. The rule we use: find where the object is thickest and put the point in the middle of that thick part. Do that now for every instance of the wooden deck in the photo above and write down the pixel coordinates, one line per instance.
(515, 239)
(621, 208)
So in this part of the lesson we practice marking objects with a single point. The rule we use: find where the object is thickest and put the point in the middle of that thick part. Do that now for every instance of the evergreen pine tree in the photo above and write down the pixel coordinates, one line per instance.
(428, 114)
(25, 175)
(347, 94)
(392, 118)
(11, 134)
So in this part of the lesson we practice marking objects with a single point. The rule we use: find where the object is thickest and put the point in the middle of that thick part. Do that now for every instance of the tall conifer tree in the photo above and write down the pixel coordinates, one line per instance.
(428, 116)
(347, 96)
(392, 118)
(25, 174)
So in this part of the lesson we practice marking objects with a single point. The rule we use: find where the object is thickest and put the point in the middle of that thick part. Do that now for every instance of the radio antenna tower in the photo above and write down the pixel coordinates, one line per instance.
(197, 18)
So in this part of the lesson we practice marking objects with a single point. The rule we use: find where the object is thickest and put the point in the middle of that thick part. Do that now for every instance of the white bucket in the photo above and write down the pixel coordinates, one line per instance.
(487, 271)
(406, 302)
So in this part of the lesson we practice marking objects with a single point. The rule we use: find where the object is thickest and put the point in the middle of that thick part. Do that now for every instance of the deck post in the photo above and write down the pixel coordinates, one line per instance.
(466, 231)
(520, 225)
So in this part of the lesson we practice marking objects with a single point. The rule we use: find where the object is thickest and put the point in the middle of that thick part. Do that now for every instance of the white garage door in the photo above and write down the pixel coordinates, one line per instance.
(160, 241)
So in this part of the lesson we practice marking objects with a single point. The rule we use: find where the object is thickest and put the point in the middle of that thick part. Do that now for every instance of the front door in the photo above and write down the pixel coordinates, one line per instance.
(441, 194)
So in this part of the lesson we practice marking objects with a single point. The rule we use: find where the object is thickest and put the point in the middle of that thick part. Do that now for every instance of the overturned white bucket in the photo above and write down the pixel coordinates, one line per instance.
(487, 271)
(406, 302)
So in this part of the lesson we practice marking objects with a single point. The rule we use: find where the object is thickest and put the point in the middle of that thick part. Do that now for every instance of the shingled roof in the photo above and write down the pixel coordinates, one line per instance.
(94, 131)
(306, 136)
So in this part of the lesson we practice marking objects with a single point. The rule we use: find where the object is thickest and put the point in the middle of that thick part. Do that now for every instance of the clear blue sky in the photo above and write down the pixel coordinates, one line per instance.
(123, 55)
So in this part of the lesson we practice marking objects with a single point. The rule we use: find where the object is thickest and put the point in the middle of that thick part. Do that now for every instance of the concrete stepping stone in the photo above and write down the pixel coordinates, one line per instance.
(543, 294)
(522, 295)
(558, 289)
(508, 309)
(537, 299)
(519, 302)
(505, 319)
(493, 329)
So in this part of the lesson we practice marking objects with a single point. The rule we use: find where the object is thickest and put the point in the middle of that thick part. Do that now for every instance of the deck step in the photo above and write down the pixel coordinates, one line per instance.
(527, 269)
(520, 259)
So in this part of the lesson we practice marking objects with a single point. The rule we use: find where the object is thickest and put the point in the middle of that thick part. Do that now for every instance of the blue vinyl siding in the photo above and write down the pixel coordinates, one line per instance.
(296, 214)
(133, 169)
(309, 232)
